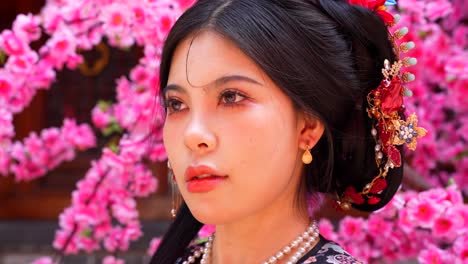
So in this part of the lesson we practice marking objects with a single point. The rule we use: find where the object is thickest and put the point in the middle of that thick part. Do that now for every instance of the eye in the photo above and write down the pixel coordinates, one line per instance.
(231, 97)
(174, 105)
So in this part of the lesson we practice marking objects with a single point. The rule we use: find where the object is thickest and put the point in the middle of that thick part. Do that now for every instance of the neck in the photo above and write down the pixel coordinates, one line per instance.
(258, 237)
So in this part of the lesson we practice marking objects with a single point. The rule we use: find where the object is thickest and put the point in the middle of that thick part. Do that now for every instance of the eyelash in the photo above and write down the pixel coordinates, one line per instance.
(168, 102)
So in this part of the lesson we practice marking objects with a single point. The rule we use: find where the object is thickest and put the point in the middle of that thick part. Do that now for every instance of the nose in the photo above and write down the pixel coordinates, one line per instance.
(198, 137)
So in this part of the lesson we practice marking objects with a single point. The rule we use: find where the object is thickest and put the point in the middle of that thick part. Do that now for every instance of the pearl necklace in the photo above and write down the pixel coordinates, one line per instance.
(301, 245)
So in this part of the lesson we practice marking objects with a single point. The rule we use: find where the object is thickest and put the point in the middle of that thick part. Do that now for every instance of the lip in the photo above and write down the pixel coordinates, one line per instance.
(205, 184)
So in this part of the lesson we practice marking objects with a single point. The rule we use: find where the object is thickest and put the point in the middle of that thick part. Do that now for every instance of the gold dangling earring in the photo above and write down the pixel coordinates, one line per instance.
(307, 156)
(174, 189)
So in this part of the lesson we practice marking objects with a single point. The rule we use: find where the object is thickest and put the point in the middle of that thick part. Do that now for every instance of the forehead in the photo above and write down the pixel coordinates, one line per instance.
(206, 56)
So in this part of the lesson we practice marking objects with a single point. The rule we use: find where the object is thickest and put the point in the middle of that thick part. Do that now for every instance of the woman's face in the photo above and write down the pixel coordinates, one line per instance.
(224, 113)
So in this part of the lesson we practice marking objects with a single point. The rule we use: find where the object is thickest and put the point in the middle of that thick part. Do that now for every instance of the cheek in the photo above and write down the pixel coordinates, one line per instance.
(171, 144)
(261, 148)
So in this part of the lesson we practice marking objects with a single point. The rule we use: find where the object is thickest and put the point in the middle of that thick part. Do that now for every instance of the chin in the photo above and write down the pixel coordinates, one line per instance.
(210, 216)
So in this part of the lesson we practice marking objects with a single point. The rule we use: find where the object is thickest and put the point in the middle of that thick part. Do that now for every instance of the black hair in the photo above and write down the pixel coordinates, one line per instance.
(326, 55)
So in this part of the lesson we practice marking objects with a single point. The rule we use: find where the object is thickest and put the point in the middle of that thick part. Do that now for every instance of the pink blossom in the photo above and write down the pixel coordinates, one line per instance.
(85, 215)
(119, 238)
(412, 6)
(457, 66)
(43, 260)
(460, 36)
(404, 222)
(157, 152)
(140, 75)
(438, 9)
(6, 87)
(409, 245)
(392, 208)
(117, 24)
(82, 137)
(115, 17)
(423, 212)
(433, 255)
(5, 161)
(123, 89)
(206, 231)
(378, 225)
(27, 171)
(126, 116)
(23, 64)
(66, 219)
(86, 242)
(52, 18)
(132, 233)
(454, 195)
(444, 226)
(61, 237)
(460, 248)
(125, 211)
(154, 244)
(112, 260)
(123, 39)
(59, 48)
(459, 214)
(458, 91)
(118, 163)
(111, 241)
(184, 4)
(166, 22)
(101, 119)
(327, 230)
(139, 15)
(12, 44)
(22, 96)
(435, 195)
(101, 230)
(144, 183)
(6, 123)
(42, 75)
(73, 60)
(353, 228)
(27, 27)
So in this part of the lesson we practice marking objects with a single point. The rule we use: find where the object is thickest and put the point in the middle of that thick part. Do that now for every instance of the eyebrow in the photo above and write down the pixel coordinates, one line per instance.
(217, 82)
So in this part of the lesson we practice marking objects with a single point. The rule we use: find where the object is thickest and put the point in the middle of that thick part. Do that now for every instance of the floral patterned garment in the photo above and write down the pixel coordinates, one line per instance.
(325, 252)
(328, 252)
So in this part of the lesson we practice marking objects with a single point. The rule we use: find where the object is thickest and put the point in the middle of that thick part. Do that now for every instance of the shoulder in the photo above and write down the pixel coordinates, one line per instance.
(328, 252)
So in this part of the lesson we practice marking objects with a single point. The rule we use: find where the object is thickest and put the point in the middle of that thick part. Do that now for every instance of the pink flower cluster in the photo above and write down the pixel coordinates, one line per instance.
(38, 154)
(23, 73)
(440, 32)
(431, 226)
(74, 25)
(137, 110)
(103, 213)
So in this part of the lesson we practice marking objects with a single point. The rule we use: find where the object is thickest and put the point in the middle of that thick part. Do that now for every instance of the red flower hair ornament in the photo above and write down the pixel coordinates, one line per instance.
(378, 6)
(386, 110)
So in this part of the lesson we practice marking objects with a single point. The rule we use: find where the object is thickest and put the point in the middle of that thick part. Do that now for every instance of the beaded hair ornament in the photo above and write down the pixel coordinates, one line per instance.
(385, 108)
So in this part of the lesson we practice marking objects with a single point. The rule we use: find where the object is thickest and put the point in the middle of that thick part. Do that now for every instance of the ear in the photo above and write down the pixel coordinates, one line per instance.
(311, 130)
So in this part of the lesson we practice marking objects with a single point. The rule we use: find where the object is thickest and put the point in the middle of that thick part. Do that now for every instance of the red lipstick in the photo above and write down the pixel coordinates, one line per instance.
(202, 178)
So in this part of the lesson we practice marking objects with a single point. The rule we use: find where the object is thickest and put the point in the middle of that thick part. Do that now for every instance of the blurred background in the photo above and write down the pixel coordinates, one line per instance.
(29, 210)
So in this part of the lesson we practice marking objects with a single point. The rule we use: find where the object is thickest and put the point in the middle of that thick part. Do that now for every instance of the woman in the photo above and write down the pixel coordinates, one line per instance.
(267, 102)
